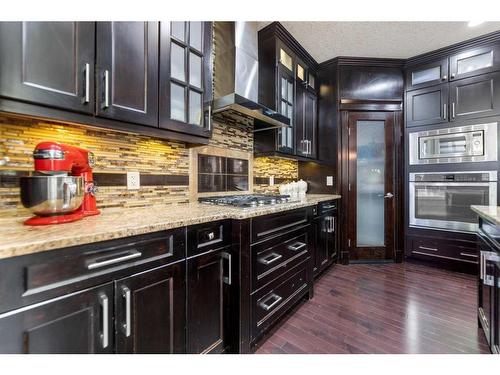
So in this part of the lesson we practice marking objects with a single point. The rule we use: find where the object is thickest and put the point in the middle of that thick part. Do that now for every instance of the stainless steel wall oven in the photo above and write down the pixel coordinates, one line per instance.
(442, 200)
(469, 143)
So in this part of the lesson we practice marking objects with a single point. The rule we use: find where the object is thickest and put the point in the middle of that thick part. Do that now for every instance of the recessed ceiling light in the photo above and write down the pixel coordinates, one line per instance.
(474, 23)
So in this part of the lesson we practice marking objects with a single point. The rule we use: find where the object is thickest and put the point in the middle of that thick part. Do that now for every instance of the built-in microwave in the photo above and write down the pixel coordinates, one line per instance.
(469, 143)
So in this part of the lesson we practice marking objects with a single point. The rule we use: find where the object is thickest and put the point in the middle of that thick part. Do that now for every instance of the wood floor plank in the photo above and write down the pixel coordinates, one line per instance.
(386, 308)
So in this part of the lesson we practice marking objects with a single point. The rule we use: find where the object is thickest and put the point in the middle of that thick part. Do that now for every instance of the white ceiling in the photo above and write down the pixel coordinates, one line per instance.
(325, 40)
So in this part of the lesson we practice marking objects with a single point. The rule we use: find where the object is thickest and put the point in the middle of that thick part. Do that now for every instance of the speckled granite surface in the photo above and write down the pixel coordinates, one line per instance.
(18, 239)
(490, 213)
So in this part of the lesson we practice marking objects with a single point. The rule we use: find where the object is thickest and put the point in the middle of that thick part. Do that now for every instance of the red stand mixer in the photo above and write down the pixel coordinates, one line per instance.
(62, 188)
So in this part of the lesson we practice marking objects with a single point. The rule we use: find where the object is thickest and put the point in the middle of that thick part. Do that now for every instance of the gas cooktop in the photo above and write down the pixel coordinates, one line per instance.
(246, 201)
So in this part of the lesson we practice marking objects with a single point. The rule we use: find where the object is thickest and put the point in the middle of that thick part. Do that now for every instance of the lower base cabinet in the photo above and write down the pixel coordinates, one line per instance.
(149, 311)
(207, 302)
(77, 323)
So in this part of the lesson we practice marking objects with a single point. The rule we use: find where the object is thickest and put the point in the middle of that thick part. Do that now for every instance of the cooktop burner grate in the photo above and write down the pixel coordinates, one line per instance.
(246, 201)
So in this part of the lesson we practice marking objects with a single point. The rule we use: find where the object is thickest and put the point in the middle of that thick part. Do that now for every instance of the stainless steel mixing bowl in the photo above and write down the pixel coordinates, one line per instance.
(50, 195)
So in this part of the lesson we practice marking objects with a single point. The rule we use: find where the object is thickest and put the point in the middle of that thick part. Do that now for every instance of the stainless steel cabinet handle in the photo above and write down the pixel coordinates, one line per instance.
(127, 327)
(468, 255)
(388, 195)
(428, 248)
(452, 75)
(211, 236)
(209, 118)
(228, 279)
(297, 246)
(329, 207)
(106, 89)
(86, 97)
(265, 306)
(103, 300)
(453, 110)
(444, 112)
(332, 222)
(129, 255)
(481, 265)
(269, 259)
(445, 77)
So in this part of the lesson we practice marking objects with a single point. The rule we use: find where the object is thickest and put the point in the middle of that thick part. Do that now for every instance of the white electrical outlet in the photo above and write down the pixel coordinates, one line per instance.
(329, 180)
(271, 180)
(133, 180)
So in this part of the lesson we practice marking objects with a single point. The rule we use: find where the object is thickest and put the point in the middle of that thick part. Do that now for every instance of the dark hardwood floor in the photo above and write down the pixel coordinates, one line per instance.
(386, 308)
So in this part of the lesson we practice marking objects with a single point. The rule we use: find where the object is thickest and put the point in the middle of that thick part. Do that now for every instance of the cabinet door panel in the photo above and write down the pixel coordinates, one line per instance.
(311, 123)
(150, 311)
(427, 106)
(48, 63)
(301, 147)
(127, 57)
(206, 303)
(474, 62)
(475, 97)
(286, 102)
(78, 323)
(186, 77)
(426, 75)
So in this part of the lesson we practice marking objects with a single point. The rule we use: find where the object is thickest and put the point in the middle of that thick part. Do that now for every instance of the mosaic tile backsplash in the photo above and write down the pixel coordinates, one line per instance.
(164, 165)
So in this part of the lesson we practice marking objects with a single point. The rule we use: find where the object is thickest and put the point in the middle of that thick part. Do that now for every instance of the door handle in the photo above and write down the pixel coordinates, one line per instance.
(297, 246)
(228, 279)
(444, 111)
(453, 110)
(106, 89)
(388, 196)
(209, 118)
(86, 97)
(127, 326)
(269, 259)
(103, 300)
(265, 306)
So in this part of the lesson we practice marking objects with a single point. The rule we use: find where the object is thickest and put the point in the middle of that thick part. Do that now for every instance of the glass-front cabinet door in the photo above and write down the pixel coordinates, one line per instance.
(473, 62)
(286, 102)
(427, 74)
(186, 76)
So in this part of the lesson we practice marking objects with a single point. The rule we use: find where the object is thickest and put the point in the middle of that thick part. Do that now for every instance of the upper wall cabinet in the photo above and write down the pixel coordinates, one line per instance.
(427, 106)
(473, 62)
(48, 63)
(287, 84)
(127, 71)
(428, 74)
(186, 76)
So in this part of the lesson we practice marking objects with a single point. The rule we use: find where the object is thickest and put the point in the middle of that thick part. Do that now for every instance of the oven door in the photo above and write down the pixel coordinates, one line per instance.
(446, 205)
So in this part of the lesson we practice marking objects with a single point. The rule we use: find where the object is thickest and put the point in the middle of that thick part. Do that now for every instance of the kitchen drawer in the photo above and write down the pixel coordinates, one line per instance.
(208, 236)
(271, 302)
(443, 250)
(272, 258)
(275, 224)
(33, 278)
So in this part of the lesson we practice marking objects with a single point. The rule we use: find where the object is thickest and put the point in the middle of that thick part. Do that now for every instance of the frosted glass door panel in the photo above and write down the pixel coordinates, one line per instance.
(426, 75)
(370, 183)
(477, 62)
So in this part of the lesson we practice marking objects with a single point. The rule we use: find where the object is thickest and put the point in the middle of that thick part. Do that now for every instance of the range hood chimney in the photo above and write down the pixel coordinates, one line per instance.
(237, 75)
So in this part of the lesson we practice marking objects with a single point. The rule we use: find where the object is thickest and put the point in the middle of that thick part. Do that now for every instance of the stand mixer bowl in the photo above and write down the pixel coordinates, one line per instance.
(46, 195)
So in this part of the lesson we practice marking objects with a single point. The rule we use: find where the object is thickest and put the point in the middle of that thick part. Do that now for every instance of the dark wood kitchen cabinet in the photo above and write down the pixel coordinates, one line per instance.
(427, 106)
(325, 236)
(149, 311)
(287, 84)
(77, 323)
(475, 97)
(428, 74)
(48, 63)
(186, 77)
(208, 289)
(475, 61)
(127, 71)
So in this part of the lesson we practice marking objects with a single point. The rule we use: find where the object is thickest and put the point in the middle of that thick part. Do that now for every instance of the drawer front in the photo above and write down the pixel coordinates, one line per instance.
(208, 236)
(273, 225)
(443, 250)
(32, 278)
(272, 258)
(270, 303)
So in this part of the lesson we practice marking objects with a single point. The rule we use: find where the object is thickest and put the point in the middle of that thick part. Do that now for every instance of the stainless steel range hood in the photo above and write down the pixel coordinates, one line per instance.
(237, 75)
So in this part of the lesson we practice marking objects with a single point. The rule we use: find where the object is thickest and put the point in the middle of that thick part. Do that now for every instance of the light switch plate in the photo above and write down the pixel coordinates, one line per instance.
(271, 180)
(329, 180)
(133, 180)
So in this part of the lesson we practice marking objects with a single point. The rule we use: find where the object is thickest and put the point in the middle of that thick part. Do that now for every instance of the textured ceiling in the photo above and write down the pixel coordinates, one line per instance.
(325, 40)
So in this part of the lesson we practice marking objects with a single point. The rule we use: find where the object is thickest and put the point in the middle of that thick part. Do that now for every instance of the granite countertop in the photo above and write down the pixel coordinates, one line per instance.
(490, 213)
(19, 239)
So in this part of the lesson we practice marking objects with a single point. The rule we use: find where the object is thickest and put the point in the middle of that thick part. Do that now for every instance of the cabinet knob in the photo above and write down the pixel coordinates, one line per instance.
(452, 75)
(445, 77)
